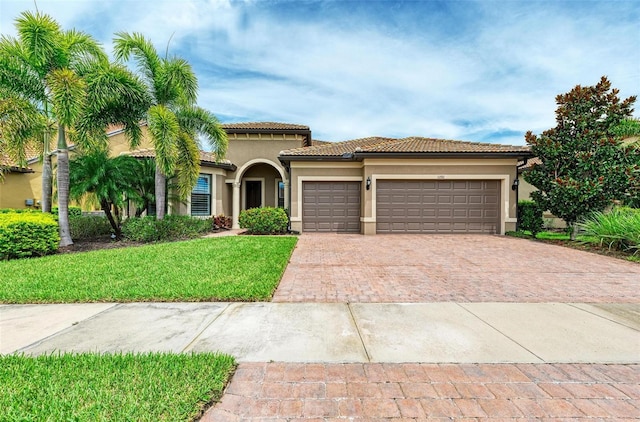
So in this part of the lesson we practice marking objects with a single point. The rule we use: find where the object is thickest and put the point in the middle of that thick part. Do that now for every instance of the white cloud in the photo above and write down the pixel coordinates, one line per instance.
(463, 72)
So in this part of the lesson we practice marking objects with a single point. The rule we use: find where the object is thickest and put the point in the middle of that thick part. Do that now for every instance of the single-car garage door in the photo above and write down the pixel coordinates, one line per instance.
(438, 206)
(331, 207)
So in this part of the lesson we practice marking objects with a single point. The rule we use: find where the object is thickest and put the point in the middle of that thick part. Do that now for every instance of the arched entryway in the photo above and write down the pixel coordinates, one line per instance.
(259, 183)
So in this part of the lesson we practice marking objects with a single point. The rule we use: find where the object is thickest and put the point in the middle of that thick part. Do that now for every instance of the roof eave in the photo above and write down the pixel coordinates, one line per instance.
(14, 169)
(224, 166)
(359, 156)
(448, 154)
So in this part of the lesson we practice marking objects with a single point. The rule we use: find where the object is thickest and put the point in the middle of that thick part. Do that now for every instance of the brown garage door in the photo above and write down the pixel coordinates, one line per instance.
(438, 206)
(331, 207)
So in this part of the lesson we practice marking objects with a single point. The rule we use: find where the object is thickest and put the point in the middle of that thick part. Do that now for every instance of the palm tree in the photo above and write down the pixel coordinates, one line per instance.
(144, 185)
(66, 76)
(175, 122)
(108, 179)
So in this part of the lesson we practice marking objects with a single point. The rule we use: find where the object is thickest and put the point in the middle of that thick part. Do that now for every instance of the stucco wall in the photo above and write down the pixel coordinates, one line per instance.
(424, 169)
(17, 187)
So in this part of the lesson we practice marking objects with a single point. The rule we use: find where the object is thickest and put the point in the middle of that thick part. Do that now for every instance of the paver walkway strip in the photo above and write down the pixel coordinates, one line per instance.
(417, 392)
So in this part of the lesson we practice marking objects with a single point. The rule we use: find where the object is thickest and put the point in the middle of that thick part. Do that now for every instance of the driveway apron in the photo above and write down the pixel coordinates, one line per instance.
(451, 268)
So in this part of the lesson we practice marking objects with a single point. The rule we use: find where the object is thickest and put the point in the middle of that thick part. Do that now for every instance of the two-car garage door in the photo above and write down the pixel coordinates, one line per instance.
(438, 206)
(405, 206)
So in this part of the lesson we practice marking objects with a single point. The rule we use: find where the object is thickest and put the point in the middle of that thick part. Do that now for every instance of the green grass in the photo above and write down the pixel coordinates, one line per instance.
(237, 268)
(121, 387)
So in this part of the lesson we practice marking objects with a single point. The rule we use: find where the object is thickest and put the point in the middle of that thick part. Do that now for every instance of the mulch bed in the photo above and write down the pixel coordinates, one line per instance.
(593, 248)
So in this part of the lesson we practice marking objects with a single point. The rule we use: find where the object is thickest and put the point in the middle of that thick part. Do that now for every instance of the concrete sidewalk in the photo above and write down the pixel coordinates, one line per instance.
(334, 332)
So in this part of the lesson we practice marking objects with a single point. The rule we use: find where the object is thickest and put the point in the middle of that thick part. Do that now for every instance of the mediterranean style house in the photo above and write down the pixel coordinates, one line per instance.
(370, 185)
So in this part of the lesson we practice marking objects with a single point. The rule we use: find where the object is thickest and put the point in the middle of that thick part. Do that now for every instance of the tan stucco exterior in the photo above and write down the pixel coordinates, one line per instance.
(401, 169)
(255, 156)
(17, 187)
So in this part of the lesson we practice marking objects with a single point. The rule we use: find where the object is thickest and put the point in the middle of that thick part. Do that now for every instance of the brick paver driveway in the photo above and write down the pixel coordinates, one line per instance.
(443, 268)
(418, 392)
(402, 268)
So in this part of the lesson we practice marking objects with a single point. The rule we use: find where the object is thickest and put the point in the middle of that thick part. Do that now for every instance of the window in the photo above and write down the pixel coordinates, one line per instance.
(280, 194)
(201, 196)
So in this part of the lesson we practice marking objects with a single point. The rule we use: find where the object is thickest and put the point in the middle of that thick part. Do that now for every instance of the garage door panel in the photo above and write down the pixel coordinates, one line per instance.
(331, 207)
(460, 206)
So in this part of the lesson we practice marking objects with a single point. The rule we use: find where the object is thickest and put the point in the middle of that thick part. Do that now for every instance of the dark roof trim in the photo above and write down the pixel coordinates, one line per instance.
(359, 156)
(14, 169)
(224, 166)
(305, 132)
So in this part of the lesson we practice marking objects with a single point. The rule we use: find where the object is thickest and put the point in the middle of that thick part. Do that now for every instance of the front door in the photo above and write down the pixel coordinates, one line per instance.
(253, 193)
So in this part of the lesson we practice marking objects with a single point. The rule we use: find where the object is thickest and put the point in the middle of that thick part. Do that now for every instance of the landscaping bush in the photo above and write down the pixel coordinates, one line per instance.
(618, 228)
(26, 234)
(18, 211)
(530, 217)
(89, 226)
(222, 222)
(73, 211)
(266, 220)
(172, 227)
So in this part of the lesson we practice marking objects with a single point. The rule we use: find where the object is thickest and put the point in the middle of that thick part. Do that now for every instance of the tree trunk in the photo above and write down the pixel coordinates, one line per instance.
(63, 189)
(47, 171)
(574, 232)
(47, 182)
(106, 207)
(161, 187)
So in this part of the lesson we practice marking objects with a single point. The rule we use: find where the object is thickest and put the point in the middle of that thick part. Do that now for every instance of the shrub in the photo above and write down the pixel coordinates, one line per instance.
(27, 234)
(266, 220)
(18, 211)
(222, 222)
(530, 217)
(73, 211)
(618, 228)
(172, 227)
(89, 226)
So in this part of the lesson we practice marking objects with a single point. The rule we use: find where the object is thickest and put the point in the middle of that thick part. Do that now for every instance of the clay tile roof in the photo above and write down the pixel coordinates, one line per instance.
(263, 126)
(530, 163)
(7, 161)
(405, 145)
(205, 157)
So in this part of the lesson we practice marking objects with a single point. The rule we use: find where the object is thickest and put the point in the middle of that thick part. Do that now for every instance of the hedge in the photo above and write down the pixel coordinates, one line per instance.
(172, 227)
(530, 217)
(89, 226)
(27, 234)
(267, 220)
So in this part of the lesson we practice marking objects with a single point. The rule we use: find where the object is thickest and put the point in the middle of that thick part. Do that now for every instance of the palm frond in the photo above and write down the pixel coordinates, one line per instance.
(18, 76)
(198, 121)
(67, 95)
(40, 35)
(181, 81)
(143, 52)
(80, 47)
(189, 168)
(20, 126)
(165, 129)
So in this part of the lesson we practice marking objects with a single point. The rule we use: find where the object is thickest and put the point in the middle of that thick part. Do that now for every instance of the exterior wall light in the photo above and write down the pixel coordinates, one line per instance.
(516, 182)
(368, 184)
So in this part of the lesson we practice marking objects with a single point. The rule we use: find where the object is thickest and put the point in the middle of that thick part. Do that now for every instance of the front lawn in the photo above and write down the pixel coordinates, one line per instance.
(121, 387)
(235, 268)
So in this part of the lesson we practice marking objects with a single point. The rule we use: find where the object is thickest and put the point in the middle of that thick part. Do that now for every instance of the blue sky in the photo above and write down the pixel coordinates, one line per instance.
(469, 70)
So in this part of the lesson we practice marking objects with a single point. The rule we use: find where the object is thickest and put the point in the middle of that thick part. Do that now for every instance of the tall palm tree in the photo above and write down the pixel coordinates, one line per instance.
(108, 179)
(175, 122)
(67, 77)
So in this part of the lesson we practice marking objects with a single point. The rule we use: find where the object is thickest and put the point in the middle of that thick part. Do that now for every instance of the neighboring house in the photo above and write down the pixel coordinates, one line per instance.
(371, 185)
(22, 186)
